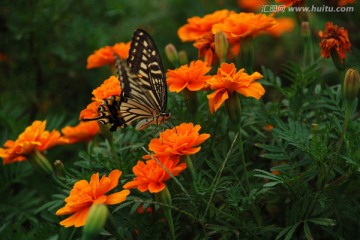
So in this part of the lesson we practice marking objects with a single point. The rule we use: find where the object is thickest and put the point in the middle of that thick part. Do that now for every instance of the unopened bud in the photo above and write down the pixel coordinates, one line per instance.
(305, 29)
(172, 54)
(95, 221)
(183, 58)
(221, 46)
(351, 84)
(59, 167)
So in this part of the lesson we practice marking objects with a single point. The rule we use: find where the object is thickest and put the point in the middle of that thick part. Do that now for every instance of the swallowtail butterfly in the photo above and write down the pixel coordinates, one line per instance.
(144, 92)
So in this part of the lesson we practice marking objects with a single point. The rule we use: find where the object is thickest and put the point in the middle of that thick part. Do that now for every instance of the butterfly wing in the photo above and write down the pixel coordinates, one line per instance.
(108, 113)
(144, 93)
(144, 60)
(137, 101)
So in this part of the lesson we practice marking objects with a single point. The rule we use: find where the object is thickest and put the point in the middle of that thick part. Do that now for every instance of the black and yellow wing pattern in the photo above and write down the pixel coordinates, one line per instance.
(144, 91)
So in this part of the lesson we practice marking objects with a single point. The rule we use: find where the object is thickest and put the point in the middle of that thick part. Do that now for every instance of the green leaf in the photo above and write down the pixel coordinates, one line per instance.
(289, 231)
(323, 221)
(264, 174)
(307, 231)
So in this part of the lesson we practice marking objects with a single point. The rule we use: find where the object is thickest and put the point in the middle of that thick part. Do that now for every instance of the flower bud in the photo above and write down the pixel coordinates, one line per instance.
(172, 54)
(351, 85)
(59, 167)
(95, 221)
(221, 46)
(183, 58)
(305, 29)
(40, 163)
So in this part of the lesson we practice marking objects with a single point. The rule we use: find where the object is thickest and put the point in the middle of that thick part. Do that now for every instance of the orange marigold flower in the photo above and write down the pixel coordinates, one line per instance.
(84, 194)
(84, 131)
(180, 140)
(334, 38)
(288, 3)
(228, 80)
(3, 57)
(251, 5)
(122, 49)
(91, 111)
(242, 24)
(109, 87)
(198, 26)
(101, 57)
(191, 77)
(345, 2)
(285, 25)
(34, 138)
(268, 128)
(150, 176)
(105, 55)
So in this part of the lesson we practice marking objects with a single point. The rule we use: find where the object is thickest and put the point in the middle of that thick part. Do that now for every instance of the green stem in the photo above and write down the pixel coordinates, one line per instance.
(60, 183)
(308, 59)
(191, 101)
(242, 157)
(165, 197)
(344, 127)
(247, 53)
(340, 141)
(190, 166)
(233, 108)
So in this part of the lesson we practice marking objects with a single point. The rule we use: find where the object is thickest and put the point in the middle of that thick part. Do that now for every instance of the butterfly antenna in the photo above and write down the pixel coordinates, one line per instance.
(173, 125)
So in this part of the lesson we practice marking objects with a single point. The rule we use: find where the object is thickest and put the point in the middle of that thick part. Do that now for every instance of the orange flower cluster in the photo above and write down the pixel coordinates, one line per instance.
(110, 87)
(345, 2)
(105, 55)
(197, 26)
(191, 77)
(251, 5)
(235, 25)
(84, 131)
(228, 81)
(168, 148)
(34, 138)
(84, 194)
(334, 39)
(200, 30)
(289, 3)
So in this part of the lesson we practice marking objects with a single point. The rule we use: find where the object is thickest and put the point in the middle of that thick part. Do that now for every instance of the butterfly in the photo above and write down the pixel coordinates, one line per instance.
(144, 91)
